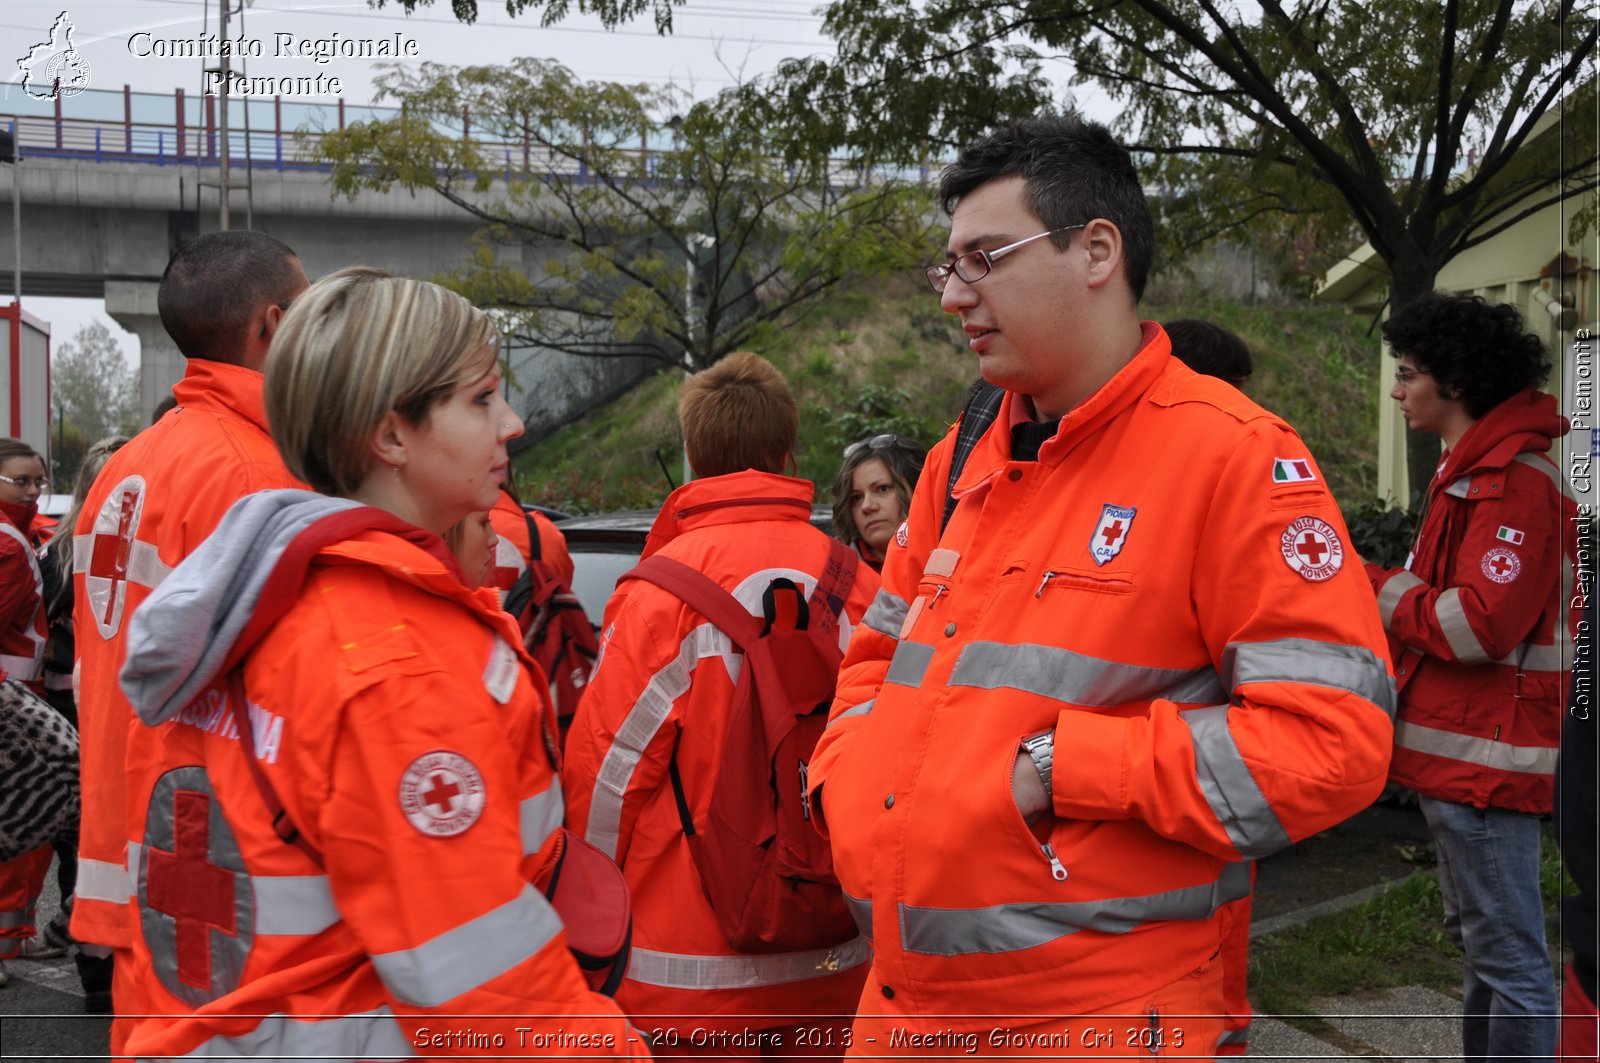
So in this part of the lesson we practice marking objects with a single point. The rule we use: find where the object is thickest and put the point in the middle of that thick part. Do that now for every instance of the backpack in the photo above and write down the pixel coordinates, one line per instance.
(765, 869)
(555, 629)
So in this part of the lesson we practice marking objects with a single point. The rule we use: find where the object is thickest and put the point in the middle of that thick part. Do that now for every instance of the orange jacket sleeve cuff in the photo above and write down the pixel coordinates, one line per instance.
(1090, 774)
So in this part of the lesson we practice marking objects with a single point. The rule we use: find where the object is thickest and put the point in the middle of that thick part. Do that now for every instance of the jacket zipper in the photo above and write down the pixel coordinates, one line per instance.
(1048, 576)
(1058, 870)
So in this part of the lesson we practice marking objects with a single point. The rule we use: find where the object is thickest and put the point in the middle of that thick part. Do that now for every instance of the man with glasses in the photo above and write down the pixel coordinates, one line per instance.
(1479, 627)
(221, 299)
(1132, 660)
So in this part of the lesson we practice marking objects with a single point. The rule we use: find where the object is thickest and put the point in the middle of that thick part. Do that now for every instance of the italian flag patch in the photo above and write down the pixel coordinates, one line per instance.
(1509, 535)
(1292, 471)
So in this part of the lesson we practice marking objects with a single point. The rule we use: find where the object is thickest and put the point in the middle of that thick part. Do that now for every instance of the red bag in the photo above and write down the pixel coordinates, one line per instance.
(766, 871)
(555, 629)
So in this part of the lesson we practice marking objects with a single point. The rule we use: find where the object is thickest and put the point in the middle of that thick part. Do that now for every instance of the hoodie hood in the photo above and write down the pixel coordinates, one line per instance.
(1527, 422)
(189, 628)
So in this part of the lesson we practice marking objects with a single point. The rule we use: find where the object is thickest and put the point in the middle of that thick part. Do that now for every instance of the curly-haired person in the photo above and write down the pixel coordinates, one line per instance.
(1476, 627)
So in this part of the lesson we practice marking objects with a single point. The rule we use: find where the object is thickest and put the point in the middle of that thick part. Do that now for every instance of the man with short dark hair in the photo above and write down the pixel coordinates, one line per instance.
(1132, 660)
(656, 715)
(1478, 624)
(221, 298)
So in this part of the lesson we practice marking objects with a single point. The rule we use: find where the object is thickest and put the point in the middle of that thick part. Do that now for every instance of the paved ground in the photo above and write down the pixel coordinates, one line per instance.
(41, 1011)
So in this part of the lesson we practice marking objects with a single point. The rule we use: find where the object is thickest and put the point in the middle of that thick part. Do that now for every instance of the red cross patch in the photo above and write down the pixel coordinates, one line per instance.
(1312, 548)
(1502, 564)
(1111, 532)
(902, 534)
(110, 551)
(197, 906)
(441, 794)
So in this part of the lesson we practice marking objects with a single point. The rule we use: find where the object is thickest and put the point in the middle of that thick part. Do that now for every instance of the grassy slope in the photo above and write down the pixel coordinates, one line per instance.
(884, 358)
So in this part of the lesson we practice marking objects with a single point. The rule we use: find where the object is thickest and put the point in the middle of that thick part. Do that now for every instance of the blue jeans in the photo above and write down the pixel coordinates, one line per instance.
(1489, 875)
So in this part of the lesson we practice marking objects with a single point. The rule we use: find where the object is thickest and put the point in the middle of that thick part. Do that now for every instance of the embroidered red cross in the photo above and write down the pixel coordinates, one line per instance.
(1500, 565)
(109, 560)
(442, 794)
(186, 885)
(1311, 548)
(1113, 530)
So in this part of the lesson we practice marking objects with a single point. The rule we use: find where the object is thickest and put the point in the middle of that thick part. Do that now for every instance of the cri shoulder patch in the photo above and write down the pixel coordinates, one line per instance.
(902, 534)
(1501, 564)
(1312, 548)
(442, 793)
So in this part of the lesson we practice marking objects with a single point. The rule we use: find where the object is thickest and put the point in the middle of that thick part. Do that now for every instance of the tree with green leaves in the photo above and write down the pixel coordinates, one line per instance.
(1426, 127)
(95, 393)
(626, 220)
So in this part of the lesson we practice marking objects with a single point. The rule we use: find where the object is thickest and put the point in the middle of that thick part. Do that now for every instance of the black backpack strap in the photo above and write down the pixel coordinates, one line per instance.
(981, 408)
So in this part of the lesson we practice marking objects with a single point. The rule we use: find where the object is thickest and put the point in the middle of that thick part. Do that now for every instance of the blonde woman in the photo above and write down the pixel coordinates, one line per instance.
(360, 850)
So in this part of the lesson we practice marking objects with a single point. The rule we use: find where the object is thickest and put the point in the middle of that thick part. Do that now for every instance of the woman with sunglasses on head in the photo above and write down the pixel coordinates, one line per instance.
(369, 837)
(872, 493)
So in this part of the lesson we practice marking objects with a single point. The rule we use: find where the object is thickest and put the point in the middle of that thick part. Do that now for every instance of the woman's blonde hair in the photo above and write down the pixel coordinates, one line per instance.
(354, 346)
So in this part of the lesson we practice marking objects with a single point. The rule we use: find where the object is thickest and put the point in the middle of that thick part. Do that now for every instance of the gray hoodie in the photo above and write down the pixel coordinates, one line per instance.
(183, 634)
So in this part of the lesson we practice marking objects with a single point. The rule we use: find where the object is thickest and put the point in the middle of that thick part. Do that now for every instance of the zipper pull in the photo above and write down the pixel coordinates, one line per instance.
(1048, 576)
(938, 592)
(1058, 870)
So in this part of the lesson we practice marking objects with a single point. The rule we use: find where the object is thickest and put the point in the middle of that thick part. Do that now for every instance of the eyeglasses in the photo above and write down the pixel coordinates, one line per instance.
(975, 265)
(23, 481)
(888, 439)
(1404, 377)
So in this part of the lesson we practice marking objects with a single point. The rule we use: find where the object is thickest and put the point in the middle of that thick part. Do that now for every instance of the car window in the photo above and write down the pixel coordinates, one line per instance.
(595, 575)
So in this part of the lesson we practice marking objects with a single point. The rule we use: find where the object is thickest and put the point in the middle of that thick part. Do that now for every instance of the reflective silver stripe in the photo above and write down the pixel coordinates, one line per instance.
(506, 555)
(1458, 633)
(1353, 669)
(1396, 588)
(854, 710)
(678, 971)
(293, 905)
(1008, 927)
(1500, 756)
(1532, 657)
(1077, 678)
(100, 880)
(11, 917)
(22, 669)
(1240, 1036)
(1231, 791)
(471, 954)
(887, 614)
(1460, 488)
(1560, 482)
(909, 664)
(861, 912)
(541, 817)
(639, 728)
(371, 1035)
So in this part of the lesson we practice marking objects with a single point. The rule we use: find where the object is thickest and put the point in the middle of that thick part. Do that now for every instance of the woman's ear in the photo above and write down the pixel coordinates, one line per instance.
(389, 440)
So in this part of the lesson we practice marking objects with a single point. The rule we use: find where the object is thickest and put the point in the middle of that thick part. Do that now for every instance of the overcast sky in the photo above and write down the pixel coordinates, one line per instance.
(715, 42)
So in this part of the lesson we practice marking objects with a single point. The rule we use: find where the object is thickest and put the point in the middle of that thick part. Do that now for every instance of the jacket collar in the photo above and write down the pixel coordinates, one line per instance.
(1133, 380)
(1526, 422)
(220, 387)
(19, 514)
(736, 498)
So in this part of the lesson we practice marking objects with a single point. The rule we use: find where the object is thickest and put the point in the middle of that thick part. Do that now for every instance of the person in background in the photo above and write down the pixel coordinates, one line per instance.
(22, 638)
(1211, 350)
(474, 543)
(221, 300)
(657, 712)
(1131, 660)
(403, 745)
(872, 493)
(512, 523)
(93, 961)
(1477, 620)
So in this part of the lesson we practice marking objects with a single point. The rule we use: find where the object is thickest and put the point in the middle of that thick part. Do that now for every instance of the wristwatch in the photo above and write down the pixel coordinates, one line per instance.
(1041, 749)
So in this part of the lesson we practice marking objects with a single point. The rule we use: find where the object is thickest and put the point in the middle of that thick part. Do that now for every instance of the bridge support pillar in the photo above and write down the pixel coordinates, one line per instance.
(132, 304)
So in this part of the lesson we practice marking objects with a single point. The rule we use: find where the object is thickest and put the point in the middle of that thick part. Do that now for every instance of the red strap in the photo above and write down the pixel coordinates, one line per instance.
(702, 594)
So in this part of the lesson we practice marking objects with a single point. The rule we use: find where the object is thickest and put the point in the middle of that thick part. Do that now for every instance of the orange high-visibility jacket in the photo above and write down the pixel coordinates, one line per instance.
(512, 551)
(1171, 592)
(407, 738)
(22, 621)
(666, 677)
(156, 500)
(1479, 617)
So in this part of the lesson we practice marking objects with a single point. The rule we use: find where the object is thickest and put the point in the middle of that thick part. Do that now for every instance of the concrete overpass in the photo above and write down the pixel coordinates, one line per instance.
(112, 183)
